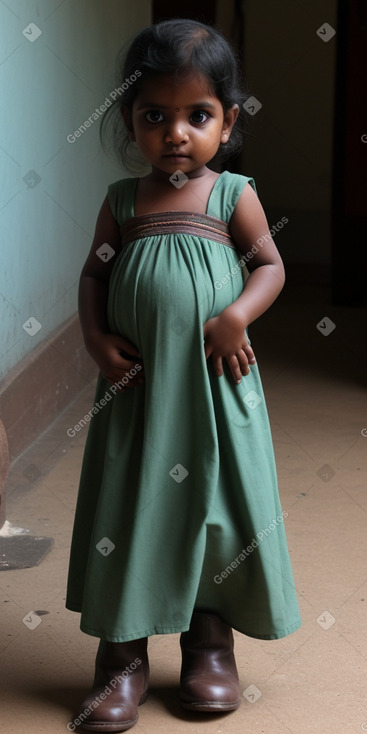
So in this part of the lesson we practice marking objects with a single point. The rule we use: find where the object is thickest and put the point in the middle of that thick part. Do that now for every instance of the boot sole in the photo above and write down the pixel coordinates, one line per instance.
(109, 726)
(100, 726)
(210, 706)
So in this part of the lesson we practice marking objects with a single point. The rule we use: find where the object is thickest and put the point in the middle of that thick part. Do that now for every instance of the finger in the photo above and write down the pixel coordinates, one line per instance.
(249, 353)
(218, 365)
(130, 356)
(235, 367)
(132, 380)
(126, 347)
(243, 362)
(125, 365)
(207, 349)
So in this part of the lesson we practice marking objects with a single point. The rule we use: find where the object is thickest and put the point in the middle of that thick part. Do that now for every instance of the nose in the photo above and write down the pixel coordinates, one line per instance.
(176, 133)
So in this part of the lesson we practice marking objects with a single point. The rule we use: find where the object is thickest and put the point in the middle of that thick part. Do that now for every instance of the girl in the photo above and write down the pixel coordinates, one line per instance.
(178, 524)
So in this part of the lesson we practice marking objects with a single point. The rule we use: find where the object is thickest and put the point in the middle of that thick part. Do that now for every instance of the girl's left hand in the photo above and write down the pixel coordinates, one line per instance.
(225, 337)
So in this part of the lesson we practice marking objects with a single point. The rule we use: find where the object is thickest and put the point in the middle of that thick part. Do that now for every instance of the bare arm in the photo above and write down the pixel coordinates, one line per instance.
(95, 275)
(224, 334)
(248, 224)
(104, 347)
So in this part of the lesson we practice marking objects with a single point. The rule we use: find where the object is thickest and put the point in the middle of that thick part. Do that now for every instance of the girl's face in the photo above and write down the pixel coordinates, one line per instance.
(178, 125)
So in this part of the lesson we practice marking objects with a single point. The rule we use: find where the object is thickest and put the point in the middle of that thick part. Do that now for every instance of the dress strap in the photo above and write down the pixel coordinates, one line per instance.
(176, 222)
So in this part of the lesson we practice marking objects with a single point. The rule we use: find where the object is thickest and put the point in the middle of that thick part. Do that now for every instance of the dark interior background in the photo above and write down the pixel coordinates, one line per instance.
(307, 145)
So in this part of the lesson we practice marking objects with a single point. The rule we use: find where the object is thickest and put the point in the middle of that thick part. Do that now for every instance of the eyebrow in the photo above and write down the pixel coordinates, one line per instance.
(155, 106)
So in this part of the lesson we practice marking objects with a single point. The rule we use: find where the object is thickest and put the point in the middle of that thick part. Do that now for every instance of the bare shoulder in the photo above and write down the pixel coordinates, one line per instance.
(248, 224)
(106, 245)
(248, 217)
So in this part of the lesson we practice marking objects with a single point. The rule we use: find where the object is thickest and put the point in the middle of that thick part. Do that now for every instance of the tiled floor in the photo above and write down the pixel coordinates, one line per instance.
(313, 681)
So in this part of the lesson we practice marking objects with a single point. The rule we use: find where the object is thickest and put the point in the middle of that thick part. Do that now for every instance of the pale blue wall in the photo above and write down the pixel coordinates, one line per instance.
(49, 87)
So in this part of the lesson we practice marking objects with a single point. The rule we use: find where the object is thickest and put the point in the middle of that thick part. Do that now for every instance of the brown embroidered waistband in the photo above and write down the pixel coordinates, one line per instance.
(176, 222)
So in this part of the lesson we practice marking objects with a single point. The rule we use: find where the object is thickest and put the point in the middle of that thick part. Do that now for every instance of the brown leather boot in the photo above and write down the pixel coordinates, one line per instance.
(120, 686)
(209, 677)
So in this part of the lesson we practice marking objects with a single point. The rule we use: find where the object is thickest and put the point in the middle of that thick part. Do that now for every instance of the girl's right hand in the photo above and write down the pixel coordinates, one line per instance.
(106, 350)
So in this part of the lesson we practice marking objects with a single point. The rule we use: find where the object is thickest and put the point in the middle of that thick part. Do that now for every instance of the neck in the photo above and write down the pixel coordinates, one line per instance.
(158, 175)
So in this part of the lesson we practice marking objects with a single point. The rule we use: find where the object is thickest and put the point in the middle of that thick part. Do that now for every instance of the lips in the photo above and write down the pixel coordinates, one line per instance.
(176, 155)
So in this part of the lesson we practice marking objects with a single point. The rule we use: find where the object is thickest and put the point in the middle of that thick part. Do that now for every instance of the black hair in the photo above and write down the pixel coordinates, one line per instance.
(177, 46)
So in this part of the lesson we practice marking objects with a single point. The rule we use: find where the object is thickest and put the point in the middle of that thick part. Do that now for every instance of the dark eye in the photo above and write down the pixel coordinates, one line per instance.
(199, 117)
(154, 116)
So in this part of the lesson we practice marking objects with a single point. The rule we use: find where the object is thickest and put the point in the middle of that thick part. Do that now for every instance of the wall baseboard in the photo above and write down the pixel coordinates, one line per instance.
(40, 387)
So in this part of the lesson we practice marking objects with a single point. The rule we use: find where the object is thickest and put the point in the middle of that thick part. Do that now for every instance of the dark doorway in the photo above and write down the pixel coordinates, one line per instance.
(202, 10)
(349, 186)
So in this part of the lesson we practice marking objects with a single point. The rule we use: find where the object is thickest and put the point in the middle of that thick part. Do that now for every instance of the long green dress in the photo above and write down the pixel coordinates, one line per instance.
(178, 505)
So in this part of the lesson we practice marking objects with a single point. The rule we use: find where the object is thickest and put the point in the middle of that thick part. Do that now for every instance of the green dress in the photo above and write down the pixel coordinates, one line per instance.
(178, 505)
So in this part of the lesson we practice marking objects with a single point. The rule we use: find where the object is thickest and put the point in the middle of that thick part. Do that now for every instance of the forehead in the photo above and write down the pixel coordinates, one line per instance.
(176, 90)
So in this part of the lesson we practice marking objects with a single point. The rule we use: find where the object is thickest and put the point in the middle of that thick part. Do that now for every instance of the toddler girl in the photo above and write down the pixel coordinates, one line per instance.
(178, 525)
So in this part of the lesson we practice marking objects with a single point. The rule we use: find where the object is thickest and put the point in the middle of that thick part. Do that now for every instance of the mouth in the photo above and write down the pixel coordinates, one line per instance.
(176, 156)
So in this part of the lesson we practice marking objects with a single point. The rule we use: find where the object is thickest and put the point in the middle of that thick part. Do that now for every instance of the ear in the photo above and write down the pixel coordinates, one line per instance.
(230, 118)
(126, 116)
